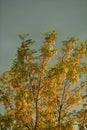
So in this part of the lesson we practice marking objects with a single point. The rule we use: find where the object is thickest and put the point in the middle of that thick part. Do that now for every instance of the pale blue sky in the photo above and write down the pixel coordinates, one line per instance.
(68, 17)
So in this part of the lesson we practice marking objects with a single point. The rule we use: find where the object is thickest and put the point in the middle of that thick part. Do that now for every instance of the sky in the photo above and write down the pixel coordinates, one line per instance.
(67, 17)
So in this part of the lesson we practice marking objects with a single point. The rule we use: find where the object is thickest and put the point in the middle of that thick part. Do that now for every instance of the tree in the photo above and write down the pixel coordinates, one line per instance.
(39, 96)
(81, 115)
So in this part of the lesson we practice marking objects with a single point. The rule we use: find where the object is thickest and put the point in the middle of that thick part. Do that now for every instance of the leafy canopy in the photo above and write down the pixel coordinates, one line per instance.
(37, 96)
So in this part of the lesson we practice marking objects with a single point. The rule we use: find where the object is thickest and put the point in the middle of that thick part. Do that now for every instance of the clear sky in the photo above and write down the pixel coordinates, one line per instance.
(68, 17)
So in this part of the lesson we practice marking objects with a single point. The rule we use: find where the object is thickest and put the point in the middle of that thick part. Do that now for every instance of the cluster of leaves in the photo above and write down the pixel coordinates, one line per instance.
(38, 97)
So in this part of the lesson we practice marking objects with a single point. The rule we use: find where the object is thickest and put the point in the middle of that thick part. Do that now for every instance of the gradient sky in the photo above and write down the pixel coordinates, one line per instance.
(68, 17)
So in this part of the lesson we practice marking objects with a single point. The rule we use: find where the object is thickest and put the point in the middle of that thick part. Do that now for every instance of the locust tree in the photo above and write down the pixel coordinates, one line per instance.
(39, 96)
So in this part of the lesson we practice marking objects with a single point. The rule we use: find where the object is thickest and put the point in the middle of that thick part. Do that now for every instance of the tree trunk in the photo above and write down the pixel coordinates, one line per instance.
(36, 121)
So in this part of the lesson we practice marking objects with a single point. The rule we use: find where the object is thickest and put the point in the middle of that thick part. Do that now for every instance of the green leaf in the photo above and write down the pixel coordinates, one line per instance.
(21, 37)
(26, 34)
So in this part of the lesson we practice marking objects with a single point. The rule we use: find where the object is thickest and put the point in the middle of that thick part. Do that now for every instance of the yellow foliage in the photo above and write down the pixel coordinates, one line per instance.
(38, 96)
